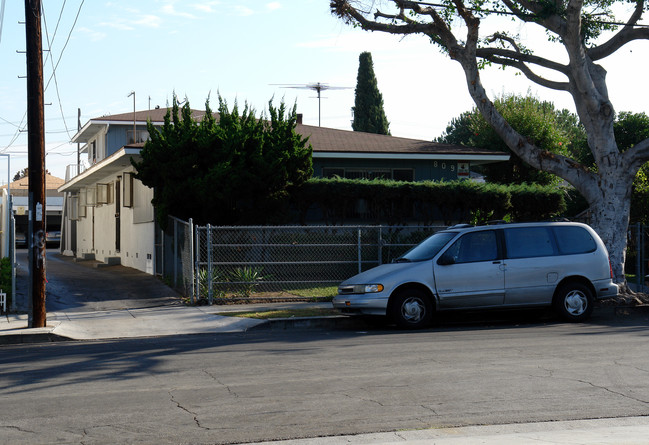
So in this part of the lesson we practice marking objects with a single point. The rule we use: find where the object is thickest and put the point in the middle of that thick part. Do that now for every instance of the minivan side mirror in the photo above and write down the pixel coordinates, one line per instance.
(446, 259)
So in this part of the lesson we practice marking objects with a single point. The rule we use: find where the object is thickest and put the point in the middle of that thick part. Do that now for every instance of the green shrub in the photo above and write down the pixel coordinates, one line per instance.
(5, 278)
(426, 202)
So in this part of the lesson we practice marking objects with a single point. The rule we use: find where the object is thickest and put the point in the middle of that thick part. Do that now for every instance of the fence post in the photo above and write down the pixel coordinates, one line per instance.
(209, 264)
(380, 243)
(360, 259)
(641, 254)
(191, 261)
(175, 254)
(638, 258)
(197, 261)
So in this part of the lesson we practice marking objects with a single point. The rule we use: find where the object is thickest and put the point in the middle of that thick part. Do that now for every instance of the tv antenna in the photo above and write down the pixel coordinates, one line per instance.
(317, 87)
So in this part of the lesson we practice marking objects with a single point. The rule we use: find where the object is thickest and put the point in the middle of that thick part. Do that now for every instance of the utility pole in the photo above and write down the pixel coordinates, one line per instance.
(36, 162)
(78, 144)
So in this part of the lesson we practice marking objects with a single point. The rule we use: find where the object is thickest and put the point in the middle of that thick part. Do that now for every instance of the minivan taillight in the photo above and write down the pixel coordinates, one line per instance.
(610, 267)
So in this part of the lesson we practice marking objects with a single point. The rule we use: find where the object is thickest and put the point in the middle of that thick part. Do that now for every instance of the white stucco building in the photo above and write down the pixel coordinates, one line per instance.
(108, 215)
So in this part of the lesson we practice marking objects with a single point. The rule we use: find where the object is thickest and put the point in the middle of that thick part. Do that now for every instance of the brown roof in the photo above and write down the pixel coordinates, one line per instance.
(332, 140)
(21, 186)
(156, 115)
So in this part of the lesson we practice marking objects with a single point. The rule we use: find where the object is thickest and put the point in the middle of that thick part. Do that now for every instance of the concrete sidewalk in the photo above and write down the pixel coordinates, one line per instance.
(614, 431)
(153, 322)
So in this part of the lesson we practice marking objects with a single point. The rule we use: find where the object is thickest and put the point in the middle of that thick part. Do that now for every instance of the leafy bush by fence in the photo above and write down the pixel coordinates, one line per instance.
(336, 201)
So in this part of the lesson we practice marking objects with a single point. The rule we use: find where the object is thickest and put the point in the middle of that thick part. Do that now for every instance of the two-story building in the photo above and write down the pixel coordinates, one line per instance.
(108, 213)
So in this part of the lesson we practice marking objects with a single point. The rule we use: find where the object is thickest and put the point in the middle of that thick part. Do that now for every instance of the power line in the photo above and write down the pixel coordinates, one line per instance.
(67, 40)
(493, 11)
(20, 127)
(50, 45)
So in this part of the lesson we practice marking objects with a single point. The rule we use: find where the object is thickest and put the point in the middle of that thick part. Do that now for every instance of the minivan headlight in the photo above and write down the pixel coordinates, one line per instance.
(371, 288)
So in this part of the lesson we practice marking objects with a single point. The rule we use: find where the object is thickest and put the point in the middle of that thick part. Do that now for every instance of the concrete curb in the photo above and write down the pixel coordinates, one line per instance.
(333, 322)
(31, 337)
(337, 322)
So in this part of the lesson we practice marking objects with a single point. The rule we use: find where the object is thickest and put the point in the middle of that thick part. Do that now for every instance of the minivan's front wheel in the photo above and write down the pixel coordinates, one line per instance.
(574, 302)
(411, 309)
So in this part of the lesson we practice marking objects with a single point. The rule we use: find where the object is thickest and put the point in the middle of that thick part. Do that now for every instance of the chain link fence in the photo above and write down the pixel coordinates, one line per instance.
(637, 257)
(175, 255)
(240, 260)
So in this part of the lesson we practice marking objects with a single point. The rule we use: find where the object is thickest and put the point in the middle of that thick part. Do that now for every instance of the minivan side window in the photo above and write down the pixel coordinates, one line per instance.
(474, 247)
(528, 242)
(574, 240)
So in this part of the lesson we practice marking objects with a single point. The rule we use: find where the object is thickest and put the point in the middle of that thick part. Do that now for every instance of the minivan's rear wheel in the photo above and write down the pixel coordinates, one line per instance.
(574, 302)
(411, 309)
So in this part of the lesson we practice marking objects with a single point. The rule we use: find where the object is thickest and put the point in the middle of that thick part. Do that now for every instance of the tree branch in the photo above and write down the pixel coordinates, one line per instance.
(637, 155)
(552, 22)
(523, 57)
(627, 34)
(437, 30)
(527, 71)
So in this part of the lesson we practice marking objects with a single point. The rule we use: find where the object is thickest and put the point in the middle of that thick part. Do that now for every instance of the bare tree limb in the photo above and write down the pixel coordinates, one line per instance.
(523, 57)
(638, 155)
(627, 34)
(527, 71)
(552, 22)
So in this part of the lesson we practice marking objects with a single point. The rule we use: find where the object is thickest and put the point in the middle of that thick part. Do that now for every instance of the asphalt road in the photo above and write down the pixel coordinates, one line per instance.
(292, 384)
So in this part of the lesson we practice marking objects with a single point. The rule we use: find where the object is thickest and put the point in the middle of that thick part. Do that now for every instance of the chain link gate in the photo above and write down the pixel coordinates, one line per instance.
(174, 255)
(242, 260)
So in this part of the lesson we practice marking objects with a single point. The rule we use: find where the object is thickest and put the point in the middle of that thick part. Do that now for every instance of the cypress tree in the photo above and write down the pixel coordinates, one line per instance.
(369, 115)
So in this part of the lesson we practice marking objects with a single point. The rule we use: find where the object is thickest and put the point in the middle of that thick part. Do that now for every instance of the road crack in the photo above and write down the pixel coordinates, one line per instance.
(16, 428)
(626, 396)
(213, 377)
(191, 413)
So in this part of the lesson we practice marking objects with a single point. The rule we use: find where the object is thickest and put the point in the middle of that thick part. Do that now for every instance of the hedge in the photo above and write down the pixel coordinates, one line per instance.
(337, 201)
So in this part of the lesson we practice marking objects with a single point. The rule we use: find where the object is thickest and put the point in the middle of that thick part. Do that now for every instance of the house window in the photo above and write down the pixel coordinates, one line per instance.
(127, 198)
(329, 172)
(142, 208)
(102, 193)
(91, 196)
(403, 174)
(82, 203)
(398, 174)
(92, 152)
(140, 136)
(73, 208)
(367, 174)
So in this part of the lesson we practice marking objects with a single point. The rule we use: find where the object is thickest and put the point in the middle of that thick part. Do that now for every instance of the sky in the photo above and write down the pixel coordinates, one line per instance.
(249, 52)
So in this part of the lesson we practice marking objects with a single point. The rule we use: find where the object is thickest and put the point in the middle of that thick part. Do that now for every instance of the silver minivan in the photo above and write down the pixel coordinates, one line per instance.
(560, 264)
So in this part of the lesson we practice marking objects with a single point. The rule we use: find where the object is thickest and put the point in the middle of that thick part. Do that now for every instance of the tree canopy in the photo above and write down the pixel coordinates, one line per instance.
(230, 168)
(537, 120)
(369, 115)
(584, 32)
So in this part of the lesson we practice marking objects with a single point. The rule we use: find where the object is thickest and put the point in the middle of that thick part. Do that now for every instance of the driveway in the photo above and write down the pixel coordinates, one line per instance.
(82, 286)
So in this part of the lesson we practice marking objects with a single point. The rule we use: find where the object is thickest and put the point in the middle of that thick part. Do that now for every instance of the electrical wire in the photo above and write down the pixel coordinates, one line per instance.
(20, 127)
(50, 45)
(493, 11)
(67, 40)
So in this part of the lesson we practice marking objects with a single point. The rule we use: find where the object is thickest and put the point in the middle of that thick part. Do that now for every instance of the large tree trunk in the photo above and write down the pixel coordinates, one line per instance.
(608, 191)
(610, 218)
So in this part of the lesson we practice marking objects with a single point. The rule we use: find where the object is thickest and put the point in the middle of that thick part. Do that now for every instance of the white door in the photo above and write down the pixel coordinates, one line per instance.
(472, 272)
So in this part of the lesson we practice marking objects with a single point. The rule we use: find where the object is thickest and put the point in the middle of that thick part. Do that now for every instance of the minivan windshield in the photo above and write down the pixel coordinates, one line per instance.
(428, 248)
